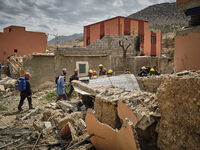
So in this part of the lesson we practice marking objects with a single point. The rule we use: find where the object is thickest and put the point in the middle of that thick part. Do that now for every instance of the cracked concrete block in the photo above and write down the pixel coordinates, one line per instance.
(38, 125)
(2, 88)
(62, 122)
(64, 105)
(107, 138)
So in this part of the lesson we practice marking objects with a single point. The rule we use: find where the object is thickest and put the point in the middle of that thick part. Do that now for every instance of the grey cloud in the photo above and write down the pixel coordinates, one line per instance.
(65, 16)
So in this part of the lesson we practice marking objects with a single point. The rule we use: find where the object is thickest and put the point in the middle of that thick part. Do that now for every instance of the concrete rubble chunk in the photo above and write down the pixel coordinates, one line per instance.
(47, 124)
(38, 125)
(62, 122)
(83, 88)
(2, 88)
(65, 106)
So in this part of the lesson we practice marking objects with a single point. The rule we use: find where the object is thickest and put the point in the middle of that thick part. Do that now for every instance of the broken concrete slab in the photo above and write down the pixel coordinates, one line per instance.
(107, 138)
(83, 88)
(125, 81)
(65, 106)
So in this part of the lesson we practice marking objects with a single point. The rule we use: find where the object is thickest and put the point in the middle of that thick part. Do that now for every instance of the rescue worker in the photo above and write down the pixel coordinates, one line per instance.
(27, 93)
(90, 72)
(153, 71)
(73, 77)
(60, 90)
(102, 71)
(94, 73)
(64, 73)
(109, 73)
(143, 72)
(127, 71)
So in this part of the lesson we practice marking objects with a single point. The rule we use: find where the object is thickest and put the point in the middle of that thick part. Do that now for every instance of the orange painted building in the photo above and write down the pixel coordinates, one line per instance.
(150, 42)
(17, 39)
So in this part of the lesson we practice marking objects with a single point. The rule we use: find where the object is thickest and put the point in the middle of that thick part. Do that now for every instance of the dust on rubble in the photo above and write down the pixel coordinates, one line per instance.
(21, 130)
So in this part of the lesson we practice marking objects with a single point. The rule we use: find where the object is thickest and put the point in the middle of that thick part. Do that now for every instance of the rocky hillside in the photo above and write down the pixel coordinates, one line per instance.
(164, 14)
(63, 39)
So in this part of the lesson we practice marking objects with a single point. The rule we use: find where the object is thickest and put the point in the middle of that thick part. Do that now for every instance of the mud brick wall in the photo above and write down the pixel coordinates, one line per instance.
(179, 104)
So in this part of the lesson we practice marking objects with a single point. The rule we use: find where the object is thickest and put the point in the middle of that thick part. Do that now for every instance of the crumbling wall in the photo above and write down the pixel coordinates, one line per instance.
(41, 68)
(150, 83)
(179, 104)
(67, 60)
(111, 42)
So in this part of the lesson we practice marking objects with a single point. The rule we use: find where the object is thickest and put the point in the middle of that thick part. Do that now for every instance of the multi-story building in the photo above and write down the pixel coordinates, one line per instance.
(150, 42)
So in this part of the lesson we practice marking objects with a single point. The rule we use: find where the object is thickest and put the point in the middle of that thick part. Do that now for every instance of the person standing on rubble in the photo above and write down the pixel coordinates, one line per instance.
(73, 77)
(60, 90)
(27, 93)
(0, 70)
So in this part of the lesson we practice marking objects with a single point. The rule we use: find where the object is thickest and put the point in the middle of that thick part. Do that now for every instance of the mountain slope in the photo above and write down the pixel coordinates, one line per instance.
(161, 14)
(63, 39)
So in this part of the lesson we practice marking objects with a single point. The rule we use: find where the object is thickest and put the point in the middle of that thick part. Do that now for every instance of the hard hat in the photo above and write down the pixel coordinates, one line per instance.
(152, 69)
(27, 74)
(90, 71)
(94, 73)
(100, 65)
(64, 70)
(76, 71)
(143, 67)
(110, 71)
(104, 69)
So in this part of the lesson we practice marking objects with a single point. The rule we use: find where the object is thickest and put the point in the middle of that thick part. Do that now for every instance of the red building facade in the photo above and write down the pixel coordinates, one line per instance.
(150, 42)
(16, 39)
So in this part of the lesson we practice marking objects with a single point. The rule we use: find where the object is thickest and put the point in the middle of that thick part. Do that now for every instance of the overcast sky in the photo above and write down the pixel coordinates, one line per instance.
(65, 17)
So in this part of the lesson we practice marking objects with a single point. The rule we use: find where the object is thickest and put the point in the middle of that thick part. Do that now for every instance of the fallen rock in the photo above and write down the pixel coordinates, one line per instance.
(38, 125)
(47, 124)
(65, 106)
(2, 88)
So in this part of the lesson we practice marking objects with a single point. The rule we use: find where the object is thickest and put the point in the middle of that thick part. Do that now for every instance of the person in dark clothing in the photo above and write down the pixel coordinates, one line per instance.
(26, 94)
(154, 71)
(143, 72)
(73, 77)
(102, 71)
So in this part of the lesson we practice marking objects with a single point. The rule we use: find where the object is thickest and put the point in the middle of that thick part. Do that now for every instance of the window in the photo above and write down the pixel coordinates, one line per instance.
(88, 41)
(82, 67)
(141, 38)
(15, 50)
(153, 39)
(10, 29)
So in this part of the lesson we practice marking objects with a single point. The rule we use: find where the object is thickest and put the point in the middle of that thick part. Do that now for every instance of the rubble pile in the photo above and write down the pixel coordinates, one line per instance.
(143, 105)
(15, 64)
(179, 104)
(7, 85)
